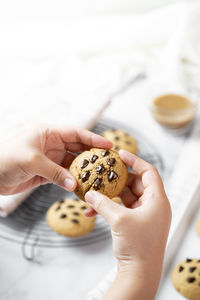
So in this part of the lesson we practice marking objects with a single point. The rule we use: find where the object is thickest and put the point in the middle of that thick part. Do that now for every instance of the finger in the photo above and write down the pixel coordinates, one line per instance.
(90, 212)
(68, 159)
(104, 206)
(149, 174)
(135, 184)
(84, 137)
(127, 197)
(76, 147)
(25, 186)
(63, 158)
(54, 173)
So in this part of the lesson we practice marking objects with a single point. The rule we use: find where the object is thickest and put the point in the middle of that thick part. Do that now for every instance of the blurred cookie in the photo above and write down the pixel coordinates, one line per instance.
(121, 140)
(198, 227)
(117, 200)
(99, 170)
(186, 278)
(66, 217)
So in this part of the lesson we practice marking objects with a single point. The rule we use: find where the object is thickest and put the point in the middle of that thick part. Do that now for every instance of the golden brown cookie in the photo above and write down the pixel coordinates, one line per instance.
(117, 200)
(100, 170)
(66, 217)
(121, 140)
(198, 227)
(186, 278)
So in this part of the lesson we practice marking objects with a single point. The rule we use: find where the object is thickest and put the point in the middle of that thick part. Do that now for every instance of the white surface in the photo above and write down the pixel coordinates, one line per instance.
(58, 274)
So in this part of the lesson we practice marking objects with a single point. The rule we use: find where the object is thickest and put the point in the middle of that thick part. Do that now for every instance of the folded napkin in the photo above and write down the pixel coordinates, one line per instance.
(9, 203)
(84, 113)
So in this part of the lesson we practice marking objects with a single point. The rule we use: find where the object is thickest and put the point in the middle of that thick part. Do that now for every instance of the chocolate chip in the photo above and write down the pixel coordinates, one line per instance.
(105, 153)
(192, 269)
(198, 260)
(100, 169)
(97, 183)
(57, 208)
(83, 207)
(61, 201)
(112, 175)
(111, 161)
(188, 260)
(127, 142)
(191, 279)
(181, 268)
(70, 206)
(85, 176)
(76, 213)
(116, 148)
(85, 162)
(63, 216)
(116, 138)
(94, 158)
(76, 199)
(75, 221)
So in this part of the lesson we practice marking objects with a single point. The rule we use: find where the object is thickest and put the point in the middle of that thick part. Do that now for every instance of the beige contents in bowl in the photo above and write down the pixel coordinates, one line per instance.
(173, 110)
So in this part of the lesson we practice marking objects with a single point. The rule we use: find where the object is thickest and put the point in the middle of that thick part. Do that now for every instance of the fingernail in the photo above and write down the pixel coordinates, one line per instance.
(90, 197)
(69, 184)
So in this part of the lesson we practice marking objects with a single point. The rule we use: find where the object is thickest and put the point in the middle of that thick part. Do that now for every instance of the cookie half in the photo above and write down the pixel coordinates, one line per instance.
(121, 140)
(186, 278)
(66, 217)
(99, 170)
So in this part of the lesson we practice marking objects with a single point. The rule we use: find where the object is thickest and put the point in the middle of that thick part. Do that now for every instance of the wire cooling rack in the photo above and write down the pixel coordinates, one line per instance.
(27, 226)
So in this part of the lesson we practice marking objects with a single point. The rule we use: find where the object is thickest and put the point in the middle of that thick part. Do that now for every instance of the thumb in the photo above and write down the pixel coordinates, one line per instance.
(108, 209)
(56, 174)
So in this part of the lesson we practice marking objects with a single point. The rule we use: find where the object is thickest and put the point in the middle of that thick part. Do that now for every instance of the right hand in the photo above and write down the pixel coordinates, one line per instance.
(140, 228)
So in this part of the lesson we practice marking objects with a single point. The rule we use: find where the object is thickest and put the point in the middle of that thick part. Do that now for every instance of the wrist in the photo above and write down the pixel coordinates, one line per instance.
(134, 281)
(150, 260)
(150, 265)
(139, 280)
(146, 273)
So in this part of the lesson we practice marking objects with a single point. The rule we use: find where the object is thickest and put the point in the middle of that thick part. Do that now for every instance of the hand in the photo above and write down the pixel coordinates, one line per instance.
(139, 229)
(42, 155)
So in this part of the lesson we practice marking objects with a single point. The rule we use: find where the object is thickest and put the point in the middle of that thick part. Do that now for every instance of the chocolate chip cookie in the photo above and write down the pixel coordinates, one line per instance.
(186, 278)
(66, 217)
(120, 140)
(99, 170)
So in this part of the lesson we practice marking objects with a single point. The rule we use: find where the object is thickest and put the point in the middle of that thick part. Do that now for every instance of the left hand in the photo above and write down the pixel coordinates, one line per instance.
(41, 155)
